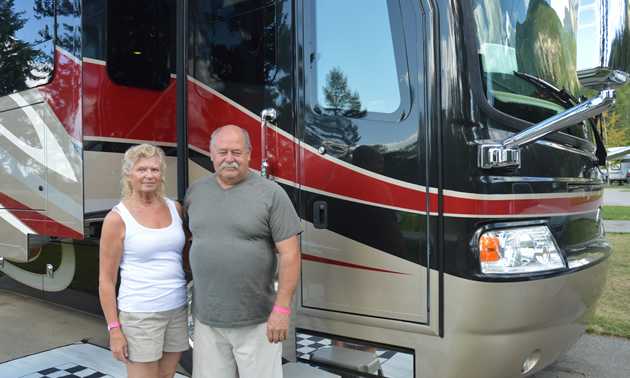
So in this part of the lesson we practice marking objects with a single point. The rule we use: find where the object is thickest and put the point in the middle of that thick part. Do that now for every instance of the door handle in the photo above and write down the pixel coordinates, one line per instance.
(50, 270)
(320, 214)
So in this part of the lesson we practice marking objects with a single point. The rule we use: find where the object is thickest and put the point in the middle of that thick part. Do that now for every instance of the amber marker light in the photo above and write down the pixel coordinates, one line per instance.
(489, 249)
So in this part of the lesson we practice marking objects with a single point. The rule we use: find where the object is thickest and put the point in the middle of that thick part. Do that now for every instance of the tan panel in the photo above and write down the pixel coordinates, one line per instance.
(354, 278)
(22, 157)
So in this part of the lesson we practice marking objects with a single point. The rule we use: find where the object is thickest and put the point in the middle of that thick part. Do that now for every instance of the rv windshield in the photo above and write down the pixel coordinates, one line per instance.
(520, 40)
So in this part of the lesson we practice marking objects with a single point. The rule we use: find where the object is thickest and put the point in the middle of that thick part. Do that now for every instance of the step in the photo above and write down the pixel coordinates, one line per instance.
(295, 370)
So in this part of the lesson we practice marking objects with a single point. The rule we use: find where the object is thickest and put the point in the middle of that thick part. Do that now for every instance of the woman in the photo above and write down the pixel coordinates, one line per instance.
(144, 237)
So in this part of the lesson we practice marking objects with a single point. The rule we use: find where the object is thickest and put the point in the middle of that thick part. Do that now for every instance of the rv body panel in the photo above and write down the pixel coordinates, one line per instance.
(41, 175)
(386, 179)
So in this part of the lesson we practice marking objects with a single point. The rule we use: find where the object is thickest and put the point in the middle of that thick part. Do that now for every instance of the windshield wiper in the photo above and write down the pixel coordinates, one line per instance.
(561, 95)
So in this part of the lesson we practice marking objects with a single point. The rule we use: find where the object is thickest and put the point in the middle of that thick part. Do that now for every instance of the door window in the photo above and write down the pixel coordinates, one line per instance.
(355, 70)
(27, 55)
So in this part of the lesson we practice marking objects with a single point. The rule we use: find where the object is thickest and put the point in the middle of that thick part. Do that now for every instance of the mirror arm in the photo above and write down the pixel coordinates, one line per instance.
(507, 153)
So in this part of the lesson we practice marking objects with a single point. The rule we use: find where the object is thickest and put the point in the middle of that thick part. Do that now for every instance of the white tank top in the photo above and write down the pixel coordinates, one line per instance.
(151, 274)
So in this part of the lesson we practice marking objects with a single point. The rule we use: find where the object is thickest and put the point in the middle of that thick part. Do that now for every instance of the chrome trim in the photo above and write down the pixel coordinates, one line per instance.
(618, 153)
(495, 156)
(601, 78)
(504, 154)
(577, 262)
(597, 105)
(601, 63)
(50, 271)
(191, 319)
(267, 115)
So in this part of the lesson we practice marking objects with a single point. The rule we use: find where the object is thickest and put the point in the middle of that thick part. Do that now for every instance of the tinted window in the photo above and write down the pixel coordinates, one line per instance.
(94, 29)
(365, 98)
(234, 41)
(140, 42)
(527, 54)
(27, 53)
(355, 72)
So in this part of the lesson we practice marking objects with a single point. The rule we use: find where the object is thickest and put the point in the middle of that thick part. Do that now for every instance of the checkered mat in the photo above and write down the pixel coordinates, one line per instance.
(76, 360)
(68, 370)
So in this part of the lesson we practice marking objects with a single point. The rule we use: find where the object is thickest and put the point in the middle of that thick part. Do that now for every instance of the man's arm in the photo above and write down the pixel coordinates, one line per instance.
(288, 276)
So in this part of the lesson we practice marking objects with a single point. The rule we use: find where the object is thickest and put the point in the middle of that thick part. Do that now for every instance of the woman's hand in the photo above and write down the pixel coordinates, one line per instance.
(118, 344)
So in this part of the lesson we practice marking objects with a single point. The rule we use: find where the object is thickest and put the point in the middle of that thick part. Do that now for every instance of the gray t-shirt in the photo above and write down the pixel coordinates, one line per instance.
(233, 257)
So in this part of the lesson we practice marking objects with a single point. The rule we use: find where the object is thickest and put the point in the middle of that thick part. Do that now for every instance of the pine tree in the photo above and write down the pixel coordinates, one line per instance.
(340, 100)
(17, 58)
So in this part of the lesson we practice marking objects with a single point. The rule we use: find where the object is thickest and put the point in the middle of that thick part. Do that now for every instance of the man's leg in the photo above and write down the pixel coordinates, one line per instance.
(255, 356)
(212, 354)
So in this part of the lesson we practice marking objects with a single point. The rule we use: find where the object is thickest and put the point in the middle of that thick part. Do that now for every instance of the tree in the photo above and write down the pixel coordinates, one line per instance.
(615, 135)
(340, 100)
(332, 125)
(18, 60)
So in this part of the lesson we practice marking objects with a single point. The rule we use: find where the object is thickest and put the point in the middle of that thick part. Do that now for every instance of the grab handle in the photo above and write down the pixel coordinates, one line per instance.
(267, 115)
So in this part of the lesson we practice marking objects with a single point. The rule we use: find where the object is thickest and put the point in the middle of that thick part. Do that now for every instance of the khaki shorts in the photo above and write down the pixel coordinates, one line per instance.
(149, 334)
(235, 352)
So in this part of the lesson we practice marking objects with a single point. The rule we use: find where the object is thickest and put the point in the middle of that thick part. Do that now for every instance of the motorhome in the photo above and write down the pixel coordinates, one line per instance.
(619, 168)
(472, 245)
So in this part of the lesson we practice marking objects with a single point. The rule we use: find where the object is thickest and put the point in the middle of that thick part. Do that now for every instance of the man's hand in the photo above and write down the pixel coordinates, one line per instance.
(277, 327)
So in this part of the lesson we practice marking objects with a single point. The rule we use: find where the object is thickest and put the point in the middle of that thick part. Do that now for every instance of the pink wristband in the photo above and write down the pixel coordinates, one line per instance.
(112, 325)
(281, 310)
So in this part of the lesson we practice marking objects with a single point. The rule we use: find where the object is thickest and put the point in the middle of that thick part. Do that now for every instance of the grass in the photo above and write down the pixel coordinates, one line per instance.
(616, 213)
(612, 314)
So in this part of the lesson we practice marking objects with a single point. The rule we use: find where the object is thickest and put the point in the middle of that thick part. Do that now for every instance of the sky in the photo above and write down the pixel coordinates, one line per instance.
(364, 54)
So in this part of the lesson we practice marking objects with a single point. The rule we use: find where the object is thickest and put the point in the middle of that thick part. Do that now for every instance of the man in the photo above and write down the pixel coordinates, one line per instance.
(238, 220)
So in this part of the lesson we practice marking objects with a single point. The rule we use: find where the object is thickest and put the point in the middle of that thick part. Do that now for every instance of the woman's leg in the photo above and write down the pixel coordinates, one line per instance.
(167, 365)
(142, 369)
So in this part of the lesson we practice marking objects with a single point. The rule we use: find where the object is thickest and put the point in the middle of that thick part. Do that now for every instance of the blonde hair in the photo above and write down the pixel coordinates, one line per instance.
(132, 155)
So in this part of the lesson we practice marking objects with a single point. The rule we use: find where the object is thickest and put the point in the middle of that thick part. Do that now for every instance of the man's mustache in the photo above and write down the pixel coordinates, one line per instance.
(229, 165)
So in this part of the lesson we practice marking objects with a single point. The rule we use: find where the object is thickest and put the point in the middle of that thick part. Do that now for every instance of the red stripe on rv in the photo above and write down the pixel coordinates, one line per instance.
(116, 111)
(487, 206)
(63, 92)
(38, 222)
(154, 119)
(308, 257)
(208, 111)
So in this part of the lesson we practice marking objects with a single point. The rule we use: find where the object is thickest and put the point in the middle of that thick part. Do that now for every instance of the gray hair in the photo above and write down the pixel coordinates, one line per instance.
(248, 143)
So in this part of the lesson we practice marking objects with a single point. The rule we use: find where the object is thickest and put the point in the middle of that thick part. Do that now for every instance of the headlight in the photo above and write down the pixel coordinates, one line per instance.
(519, 250)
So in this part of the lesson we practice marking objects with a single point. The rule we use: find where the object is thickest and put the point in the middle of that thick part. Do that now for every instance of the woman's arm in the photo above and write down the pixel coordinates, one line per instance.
(111, 248)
